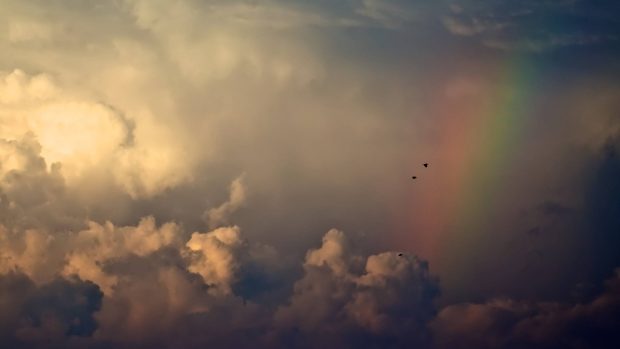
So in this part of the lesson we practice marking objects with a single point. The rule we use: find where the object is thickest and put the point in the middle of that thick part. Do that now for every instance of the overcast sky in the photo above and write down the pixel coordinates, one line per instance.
(238, 174)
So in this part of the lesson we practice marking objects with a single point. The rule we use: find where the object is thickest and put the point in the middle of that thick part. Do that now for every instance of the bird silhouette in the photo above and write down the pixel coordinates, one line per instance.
(425, 164)
(414, 177)
(400, 254)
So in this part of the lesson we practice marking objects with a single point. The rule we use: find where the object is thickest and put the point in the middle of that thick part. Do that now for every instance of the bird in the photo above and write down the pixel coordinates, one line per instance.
(425, 164)
(413, 177)
(400, 254)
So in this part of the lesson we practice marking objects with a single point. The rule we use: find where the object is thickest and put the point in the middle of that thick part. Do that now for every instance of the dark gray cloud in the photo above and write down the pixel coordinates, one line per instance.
(535, 26)
(602, 212)
(49, 315)
(33, 192)
(507, 323)
(553, 208)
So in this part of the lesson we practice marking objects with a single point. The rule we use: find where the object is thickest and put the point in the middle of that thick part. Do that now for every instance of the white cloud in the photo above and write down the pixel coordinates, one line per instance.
(88, 137)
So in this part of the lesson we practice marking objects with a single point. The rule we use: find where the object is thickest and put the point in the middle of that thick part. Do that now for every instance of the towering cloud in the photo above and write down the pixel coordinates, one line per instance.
(345, 298)
(88, 137)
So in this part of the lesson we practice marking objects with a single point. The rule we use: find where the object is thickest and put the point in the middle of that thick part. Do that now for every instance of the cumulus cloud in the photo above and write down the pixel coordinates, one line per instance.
(42, 254)
(93, 247)
(386, 297)
(341, 294)
(157, 298)
(216, 262)
(343, 298)
(76, 133)
(127, 264)
(85, 136)
(24, 176)
(33, 195)
(221, 214)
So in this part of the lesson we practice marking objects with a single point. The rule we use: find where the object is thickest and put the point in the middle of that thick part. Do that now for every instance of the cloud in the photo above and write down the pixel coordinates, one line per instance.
(602, 210)
(127, 264)
(197, 283)
(33, 196)
(553, 208)
(91, 249)
(507, 323)
(33, 252)
(221, 214)
(25, 181)
(385, 297)
(470, 26)
(75, 133)
(541, 26)
(137, 316)
(85, 137)
(343, 298)
(394, 14)
(216, 262)
(295, 15)
(49, 315)
(25, 31)
(231, 40)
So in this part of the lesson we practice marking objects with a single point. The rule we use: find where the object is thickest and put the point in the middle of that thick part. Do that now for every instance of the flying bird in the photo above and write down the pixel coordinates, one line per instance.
(400, 254)
(413, 177)
(425, 164)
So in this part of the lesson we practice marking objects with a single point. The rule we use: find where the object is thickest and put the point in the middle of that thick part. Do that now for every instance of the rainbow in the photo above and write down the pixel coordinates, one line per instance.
(481, 126)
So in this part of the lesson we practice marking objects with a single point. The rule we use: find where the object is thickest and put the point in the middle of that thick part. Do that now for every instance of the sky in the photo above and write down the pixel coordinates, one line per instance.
(238, 174)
